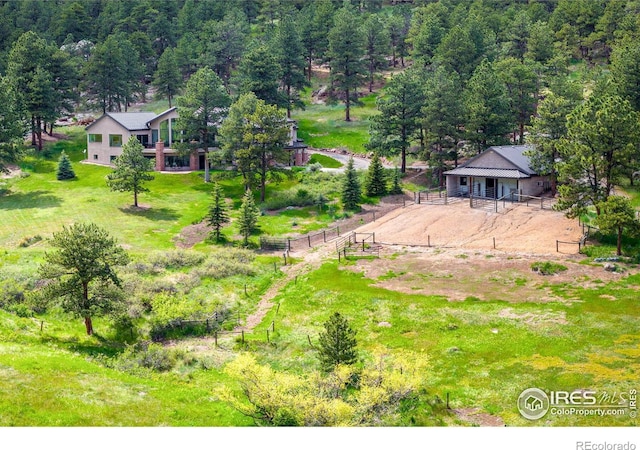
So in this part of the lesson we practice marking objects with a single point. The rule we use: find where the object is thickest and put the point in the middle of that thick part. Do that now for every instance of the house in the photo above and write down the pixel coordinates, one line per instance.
(156, 133)
(498, 172)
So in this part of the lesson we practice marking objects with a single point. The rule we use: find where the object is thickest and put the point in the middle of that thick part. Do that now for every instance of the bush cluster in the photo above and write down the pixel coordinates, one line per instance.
(176, 259)
(547, 267)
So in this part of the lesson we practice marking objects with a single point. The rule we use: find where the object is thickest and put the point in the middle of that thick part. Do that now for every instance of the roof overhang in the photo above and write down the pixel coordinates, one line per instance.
(487, 173)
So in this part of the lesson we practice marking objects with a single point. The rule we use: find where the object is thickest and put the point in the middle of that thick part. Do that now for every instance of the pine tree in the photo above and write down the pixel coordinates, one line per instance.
(249, 214)
(396, 189)
(337, 343)
(65, 171)
(132, 170)
(351, 188)
(168, 79)
(376, 183)
(218, 215)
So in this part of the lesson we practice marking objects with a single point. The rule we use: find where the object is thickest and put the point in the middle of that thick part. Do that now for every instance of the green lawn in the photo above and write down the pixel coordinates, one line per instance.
(325, 161)
(323, 126)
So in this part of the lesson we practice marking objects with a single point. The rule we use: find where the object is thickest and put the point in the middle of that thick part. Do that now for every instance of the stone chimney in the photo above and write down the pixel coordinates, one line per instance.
(159, 156)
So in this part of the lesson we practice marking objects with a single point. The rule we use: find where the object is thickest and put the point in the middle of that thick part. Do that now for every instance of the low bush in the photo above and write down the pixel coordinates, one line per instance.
(176, 259)
(28, 241)
(547, 267)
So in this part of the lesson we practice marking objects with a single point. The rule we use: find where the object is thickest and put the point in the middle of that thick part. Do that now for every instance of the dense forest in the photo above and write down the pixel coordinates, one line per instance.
(477, 73)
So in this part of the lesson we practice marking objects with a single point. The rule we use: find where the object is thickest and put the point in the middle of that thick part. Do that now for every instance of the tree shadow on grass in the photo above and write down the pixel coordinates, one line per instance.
(151, 213)
(102, 347)
(25, 200)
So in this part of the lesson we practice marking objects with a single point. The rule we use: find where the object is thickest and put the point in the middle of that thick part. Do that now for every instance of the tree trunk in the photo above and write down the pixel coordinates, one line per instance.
(619, 248)
(403, 163)
(135, 198)
(309, 70)
(347, 103)
(39, 129)
(33, 130)
(205, 140)
(288, 101)
(88, 325)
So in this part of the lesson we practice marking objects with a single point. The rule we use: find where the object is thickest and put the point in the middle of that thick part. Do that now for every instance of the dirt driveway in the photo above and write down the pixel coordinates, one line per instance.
(518, 229)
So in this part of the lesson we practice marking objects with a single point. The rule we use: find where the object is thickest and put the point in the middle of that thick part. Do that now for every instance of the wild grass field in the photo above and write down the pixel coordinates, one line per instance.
(581, 332)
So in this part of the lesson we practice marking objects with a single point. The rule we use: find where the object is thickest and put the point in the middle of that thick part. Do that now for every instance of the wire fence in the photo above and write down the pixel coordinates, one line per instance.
(342, 227)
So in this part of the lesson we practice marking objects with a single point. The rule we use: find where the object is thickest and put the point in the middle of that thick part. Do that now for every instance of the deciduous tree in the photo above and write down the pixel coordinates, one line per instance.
(81, 272)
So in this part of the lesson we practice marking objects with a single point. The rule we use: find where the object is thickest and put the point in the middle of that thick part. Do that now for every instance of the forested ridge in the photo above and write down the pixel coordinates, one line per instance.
(464, 75)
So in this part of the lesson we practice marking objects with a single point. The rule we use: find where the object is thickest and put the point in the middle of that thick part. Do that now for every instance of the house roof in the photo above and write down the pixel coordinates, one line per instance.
(514, 155)
(487, 173)
(130, 120)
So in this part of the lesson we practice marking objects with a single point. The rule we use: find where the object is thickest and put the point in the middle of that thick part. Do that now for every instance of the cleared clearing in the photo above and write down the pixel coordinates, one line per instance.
(518, 229)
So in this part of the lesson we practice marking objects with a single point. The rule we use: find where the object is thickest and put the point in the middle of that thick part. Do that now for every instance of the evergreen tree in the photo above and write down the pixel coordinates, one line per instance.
(396, 189)
(376, 182)
(65, 171)
(617, 214)
(337, 343)
(249, 213)
(376, 46)
(260, 73)
(12, 126)
(602, 135)
(522, 85)
(167, 80)
(489, 118)
(132, 170)
(82, 271)
(218, 215)
(201, 108)
(351, 188)
(290, 57)
(393, 129)
(225, 43)
(346, 51)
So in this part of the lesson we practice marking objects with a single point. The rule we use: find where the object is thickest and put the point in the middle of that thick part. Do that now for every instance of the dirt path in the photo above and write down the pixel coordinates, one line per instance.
(312, 260)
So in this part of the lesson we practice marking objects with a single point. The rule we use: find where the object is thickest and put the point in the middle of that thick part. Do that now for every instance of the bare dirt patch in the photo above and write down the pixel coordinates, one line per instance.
(192, 234)
(519, 229)
(475, 416)
(12, 172)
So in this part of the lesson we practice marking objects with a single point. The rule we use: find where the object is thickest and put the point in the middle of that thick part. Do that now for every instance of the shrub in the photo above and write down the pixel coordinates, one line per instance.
(176, 259)
(547, 267)
(26, 242)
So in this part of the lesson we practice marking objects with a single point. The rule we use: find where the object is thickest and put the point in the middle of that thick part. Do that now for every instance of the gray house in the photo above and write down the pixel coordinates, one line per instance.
(157, 134)
(496, 173)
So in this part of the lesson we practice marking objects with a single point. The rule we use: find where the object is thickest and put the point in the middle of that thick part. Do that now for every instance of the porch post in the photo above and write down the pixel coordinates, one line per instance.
(470, 186)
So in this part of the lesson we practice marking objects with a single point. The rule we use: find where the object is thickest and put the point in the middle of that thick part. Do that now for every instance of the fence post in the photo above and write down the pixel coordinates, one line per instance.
(339, 256)
(289, 243)
(267, 336)
(278, 307)
(374, 237)
(324, 235)
(207, 328)
(374, 216)
(428, 240)
(541, 200)
(338, 230)
(363, 245)
(273, 325)
(215, 338)
(284, 255)
(242, 336)
(494, 243)
(557, 247)
(41, 325)
(245, 289)
(275, 267)
(309, 239)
